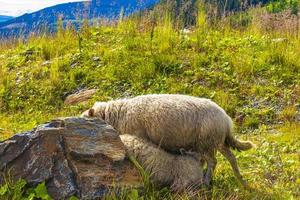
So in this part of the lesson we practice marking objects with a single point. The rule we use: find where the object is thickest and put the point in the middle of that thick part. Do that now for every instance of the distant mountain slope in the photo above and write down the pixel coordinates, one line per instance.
(47, 17)
(5, 18)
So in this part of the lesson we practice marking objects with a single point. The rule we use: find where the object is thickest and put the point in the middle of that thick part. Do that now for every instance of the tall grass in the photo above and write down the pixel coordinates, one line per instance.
(248, 68)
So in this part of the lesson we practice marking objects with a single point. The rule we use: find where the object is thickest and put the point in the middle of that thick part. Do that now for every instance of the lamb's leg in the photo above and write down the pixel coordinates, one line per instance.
(211, 165)
(231, 158)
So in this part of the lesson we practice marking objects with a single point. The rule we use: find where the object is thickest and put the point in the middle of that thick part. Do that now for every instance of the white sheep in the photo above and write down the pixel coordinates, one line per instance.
(176, 122)
(181, 173)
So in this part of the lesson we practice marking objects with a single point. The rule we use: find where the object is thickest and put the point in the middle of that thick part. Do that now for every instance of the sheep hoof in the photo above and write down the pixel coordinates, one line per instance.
(208, 182)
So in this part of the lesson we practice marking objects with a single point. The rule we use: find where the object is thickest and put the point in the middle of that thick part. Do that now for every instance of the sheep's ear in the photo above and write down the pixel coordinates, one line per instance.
(91, 112)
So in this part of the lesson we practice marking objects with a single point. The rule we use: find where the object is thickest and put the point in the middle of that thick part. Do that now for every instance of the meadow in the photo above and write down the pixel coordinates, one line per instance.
(248, 63)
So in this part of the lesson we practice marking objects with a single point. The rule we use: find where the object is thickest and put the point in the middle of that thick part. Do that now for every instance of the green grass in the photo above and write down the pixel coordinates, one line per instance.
(19, 190)
(254, 78)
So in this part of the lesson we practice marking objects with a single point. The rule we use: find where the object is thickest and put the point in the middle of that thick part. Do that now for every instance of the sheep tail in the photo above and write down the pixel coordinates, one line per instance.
(238, 144)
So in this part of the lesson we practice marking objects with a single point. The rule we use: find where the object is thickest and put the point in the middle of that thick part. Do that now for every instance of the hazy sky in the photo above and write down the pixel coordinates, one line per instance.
(19, 7)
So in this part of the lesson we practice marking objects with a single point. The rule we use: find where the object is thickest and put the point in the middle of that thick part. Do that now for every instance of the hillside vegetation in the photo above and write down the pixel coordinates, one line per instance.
(249, 63)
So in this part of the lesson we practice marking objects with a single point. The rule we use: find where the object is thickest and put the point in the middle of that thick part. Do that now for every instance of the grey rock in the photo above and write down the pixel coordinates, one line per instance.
(73, 156)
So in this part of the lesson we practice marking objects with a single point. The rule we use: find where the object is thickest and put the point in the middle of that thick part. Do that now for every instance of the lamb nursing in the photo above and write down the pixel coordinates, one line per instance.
(165, 169)
(175, 123)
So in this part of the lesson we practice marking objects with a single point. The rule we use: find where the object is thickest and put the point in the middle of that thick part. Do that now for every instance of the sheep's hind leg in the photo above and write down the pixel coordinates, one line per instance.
(211, 165)
(232, 160)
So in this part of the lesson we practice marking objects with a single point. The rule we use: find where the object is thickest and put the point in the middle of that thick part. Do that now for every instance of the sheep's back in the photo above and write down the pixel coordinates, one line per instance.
(176, 121)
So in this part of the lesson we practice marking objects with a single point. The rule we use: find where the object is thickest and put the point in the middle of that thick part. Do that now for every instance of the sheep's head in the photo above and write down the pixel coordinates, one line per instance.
(98, 110)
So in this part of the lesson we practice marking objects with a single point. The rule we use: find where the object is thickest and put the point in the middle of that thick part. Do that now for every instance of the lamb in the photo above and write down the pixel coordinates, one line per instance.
(176, 122)
(181, 173)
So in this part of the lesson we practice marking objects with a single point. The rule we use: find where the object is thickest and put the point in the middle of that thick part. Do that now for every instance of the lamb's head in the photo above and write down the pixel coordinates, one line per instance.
(98, 110)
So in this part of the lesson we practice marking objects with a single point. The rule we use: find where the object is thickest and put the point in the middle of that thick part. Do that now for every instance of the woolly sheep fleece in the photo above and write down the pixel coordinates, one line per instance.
(181, 173)
(175, 122)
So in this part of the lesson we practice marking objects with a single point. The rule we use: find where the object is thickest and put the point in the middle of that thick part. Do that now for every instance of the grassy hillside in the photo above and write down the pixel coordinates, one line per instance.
(252, 71)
